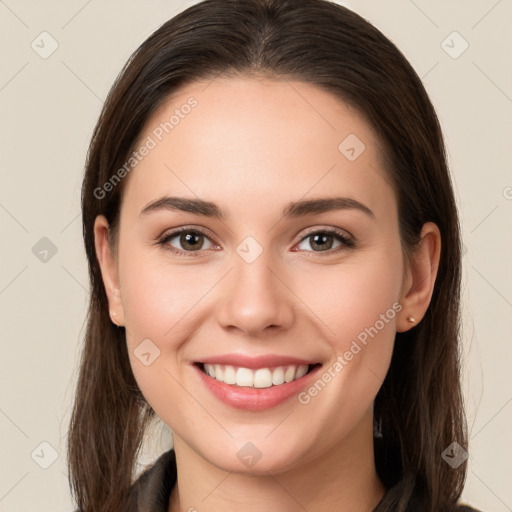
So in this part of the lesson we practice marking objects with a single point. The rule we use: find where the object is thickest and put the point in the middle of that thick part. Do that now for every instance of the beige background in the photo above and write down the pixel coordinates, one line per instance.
(48, 109)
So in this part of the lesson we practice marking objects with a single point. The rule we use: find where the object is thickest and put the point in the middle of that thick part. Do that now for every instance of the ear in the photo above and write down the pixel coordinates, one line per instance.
(108, 268)
(420, 277)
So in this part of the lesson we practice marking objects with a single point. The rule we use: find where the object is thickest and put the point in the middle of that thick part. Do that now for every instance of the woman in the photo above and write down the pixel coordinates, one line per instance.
(274, 255)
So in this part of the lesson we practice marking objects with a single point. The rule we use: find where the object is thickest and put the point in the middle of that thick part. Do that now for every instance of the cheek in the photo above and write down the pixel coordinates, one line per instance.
(158, 308)
(357, 304)
(348, 298)
(157, 301)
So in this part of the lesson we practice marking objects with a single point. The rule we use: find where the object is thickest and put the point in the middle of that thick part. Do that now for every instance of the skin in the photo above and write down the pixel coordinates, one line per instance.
(253, 146)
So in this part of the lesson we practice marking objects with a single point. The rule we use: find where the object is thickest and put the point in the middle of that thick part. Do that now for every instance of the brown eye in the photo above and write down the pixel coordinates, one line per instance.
(191, 241)
(186, 241)
(321, 241)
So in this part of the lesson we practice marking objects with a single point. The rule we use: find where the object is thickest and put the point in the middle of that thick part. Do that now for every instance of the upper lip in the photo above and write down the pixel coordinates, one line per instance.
(263, 361)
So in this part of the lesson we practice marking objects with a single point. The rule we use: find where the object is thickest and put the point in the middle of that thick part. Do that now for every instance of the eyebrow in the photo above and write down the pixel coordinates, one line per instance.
(293, 210)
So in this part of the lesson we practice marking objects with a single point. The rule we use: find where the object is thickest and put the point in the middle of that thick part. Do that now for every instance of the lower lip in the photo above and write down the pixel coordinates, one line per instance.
(255, 399)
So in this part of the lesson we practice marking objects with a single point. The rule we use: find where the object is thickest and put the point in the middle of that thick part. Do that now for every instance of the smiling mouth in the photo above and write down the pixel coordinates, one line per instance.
(256, 378)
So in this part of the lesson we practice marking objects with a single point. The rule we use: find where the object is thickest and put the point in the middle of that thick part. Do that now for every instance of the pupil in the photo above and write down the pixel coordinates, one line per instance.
(322, 245)
(188, 239)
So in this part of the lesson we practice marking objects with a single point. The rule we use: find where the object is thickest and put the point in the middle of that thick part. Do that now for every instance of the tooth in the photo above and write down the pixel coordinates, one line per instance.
(244, 377)
(219, 372)
(260, 378)
(278, 376)
(263, 378)
(301, 371)
(209, 369)
(229, 375)
(289, 374)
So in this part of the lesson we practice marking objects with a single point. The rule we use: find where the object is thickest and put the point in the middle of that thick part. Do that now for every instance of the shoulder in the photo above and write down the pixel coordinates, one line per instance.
(152, 489)
(417, 501)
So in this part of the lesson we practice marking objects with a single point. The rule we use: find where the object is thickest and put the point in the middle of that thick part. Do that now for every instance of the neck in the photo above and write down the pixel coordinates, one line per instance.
(343, 478)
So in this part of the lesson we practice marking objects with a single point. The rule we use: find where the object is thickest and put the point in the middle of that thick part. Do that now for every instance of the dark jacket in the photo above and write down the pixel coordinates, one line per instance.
(151, 491)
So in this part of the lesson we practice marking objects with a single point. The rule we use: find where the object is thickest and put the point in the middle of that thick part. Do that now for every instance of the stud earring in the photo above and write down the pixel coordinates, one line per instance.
(113, 314)
(411, 319)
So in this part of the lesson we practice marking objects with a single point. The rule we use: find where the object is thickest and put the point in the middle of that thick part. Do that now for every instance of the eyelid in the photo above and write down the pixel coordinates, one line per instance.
(327, 229)
(185, 229)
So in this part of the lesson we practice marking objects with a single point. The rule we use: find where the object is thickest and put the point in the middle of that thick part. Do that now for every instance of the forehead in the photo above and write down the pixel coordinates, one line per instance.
(231, 140)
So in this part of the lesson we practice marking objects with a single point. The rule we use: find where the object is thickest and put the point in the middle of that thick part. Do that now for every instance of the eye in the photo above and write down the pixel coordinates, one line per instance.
(325, 240)
(188, 241)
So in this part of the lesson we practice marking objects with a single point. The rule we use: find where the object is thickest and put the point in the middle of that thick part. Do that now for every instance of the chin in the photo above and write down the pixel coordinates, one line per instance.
(254, 458)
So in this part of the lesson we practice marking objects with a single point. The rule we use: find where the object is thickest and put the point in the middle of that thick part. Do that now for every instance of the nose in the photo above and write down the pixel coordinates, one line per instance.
(255, 298)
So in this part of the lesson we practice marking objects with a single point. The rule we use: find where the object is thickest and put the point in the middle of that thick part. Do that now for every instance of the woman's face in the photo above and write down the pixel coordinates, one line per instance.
(276, 282)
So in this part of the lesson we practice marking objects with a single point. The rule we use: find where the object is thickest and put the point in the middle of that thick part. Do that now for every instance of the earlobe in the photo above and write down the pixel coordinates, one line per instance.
(108, 266)
(422, 275)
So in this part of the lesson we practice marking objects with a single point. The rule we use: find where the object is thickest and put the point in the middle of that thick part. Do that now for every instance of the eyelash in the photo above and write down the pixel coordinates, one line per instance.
(346, 243)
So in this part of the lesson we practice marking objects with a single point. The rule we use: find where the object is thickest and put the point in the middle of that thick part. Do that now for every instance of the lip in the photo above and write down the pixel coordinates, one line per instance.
(255, 362)
(255, 399)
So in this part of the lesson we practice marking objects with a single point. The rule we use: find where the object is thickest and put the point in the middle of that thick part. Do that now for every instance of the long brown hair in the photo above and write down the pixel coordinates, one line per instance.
(419, 407)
